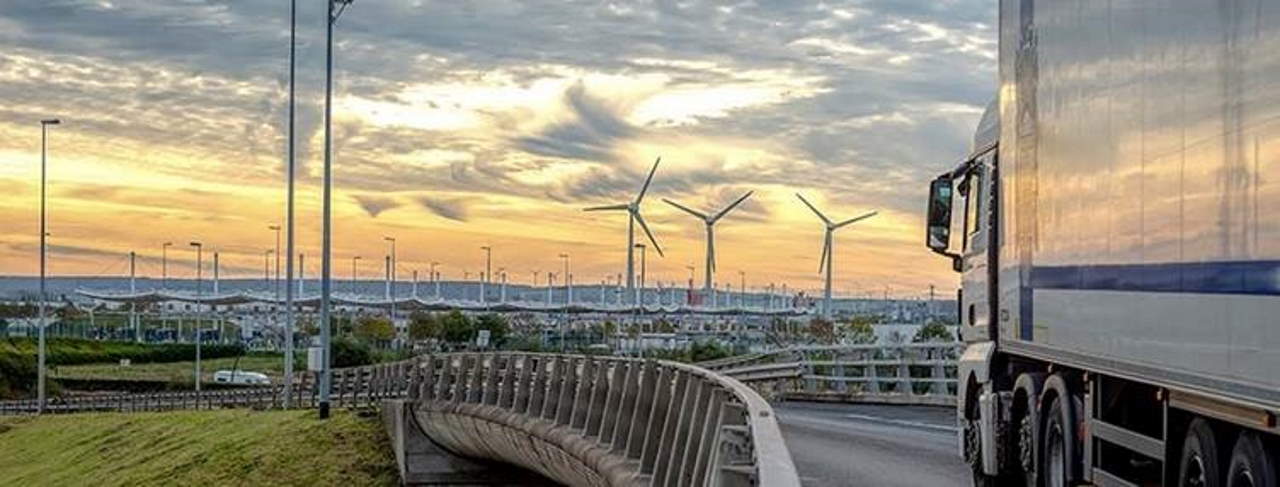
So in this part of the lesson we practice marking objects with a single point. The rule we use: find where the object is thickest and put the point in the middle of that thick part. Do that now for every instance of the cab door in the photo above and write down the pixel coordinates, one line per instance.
(977, 255)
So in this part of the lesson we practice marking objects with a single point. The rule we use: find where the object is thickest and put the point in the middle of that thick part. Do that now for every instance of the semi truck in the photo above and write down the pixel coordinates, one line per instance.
(1116, 227)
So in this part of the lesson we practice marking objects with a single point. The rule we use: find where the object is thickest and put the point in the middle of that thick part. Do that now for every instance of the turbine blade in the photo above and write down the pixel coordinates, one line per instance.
(686, 209)
(731, 206)
(815, 210)
(606, 208)
(643, 225)
(648, 180)
(854, 220)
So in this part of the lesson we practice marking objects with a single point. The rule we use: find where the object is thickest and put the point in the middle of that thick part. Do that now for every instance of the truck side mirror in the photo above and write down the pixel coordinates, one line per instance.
(938, 236)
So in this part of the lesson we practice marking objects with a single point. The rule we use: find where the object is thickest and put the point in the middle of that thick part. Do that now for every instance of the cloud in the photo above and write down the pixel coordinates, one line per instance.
(452, 208)
(592, 132)
(374, 205)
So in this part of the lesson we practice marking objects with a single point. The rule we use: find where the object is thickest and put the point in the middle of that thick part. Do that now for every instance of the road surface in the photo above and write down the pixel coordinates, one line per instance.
(839, 445)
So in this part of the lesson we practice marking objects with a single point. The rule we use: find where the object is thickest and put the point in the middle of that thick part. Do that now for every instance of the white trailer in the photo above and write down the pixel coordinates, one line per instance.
(1118, 237)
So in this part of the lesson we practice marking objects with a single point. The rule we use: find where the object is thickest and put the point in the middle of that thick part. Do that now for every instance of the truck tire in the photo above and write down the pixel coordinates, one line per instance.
(1252, 463)
(1199, 466)
(1054, 469)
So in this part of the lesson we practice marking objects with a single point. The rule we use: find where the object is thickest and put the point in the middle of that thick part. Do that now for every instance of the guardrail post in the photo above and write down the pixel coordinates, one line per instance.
(939, 372)
(905, 386)
(657, 420)
(552, 397)
(669, 427)
(582, 397)
(599, 397)
(524, 385)
(538, 388)
(643, 408)
(626, 407)
(568, 390)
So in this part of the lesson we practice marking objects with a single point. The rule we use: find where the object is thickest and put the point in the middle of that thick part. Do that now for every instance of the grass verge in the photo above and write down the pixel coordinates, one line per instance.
(226, 447)
(177, 372)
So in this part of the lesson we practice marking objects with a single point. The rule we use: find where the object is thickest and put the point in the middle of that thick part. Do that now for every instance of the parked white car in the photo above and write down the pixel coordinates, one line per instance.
(241, 377)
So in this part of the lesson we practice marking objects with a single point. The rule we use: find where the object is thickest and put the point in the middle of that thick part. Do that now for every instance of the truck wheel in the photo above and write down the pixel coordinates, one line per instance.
(1055, 447)
(1252, 465)
(1199, 467)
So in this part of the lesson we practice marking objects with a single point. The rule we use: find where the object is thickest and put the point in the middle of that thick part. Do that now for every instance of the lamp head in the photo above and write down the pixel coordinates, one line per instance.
(196, 244)
(50, 121)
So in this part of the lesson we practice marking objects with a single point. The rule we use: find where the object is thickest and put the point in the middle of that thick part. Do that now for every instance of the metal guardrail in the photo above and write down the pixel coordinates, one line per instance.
(249, 397)
(917, 373)
(632, 421)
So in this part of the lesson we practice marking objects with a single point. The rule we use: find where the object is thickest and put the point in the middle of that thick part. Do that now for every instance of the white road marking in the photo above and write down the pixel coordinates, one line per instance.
(902, 422)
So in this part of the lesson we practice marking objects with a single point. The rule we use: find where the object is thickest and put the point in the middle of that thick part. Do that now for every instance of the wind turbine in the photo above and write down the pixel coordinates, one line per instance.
(633, 210)
(710, 221)
(828, 251)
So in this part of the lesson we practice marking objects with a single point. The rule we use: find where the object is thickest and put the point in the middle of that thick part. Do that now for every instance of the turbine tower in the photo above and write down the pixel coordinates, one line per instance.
(710, 221)
(828, 251)
(633, 211)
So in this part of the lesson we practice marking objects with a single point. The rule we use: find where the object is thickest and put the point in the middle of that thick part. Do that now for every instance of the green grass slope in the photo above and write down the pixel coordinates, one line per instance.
(227, 447)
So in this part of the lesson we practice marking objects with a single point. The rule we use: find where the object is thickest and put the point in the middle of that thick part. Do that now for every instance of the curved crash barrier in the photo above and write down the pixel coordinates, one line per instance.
(584, 420)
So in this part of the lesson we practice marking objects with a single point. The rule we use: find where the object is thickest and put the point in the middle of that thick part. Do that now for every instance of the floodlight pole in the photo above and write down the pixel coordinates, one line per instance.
(44, 143)
(199, 292)
(326, 253)
(133, 288)
(488, 264)
(288, 273)
(435, 277)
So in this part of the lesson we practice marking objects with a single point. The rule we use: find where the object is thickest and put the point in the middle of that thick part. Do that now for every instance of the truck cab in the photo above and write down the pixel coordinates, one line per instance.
(964, 199)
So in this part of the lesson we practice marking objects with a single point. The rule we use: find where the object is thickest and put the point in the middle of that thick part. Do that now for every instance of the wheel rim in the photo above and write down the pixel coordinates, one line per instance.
(1057, 474)
(1194, 476)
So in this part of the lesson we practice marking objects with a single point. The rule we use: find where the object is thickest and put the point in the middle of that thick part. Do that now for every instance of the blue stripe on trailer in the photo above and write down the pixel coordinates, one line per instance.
(1229, 277)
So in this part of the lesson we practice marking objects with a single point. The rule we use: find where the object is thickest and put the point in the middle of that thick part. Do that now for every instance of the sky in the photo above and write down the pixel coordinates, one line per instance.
(458, 125)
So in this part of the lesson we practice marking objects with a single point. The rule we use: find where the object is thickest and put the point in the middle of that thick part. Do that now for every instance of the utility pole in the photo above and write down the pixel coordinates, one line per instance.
(415, 284)
(742, 298)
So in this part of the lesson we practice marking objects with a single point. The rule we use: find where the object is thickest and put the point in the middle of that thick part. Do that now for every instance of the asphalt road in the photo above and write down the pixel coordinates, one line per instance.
(839, 445)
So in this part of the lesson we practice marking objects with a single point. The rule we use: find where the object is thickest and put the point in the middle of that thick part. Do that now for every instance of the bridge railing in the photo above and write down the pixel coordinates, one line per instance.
(917, 373)
(636, 422)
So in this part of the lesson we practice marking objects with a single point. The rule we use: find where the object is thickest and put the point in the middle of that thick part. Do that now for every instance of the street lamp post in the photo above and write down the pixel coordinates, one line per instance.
(742, 289)
(354, 259)
(488, 264)
(44, 143)
(502, 294)
(435, 278)
(199, 292)
(391, 278)
(288, 291)
(568, 298)
(326, 253)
